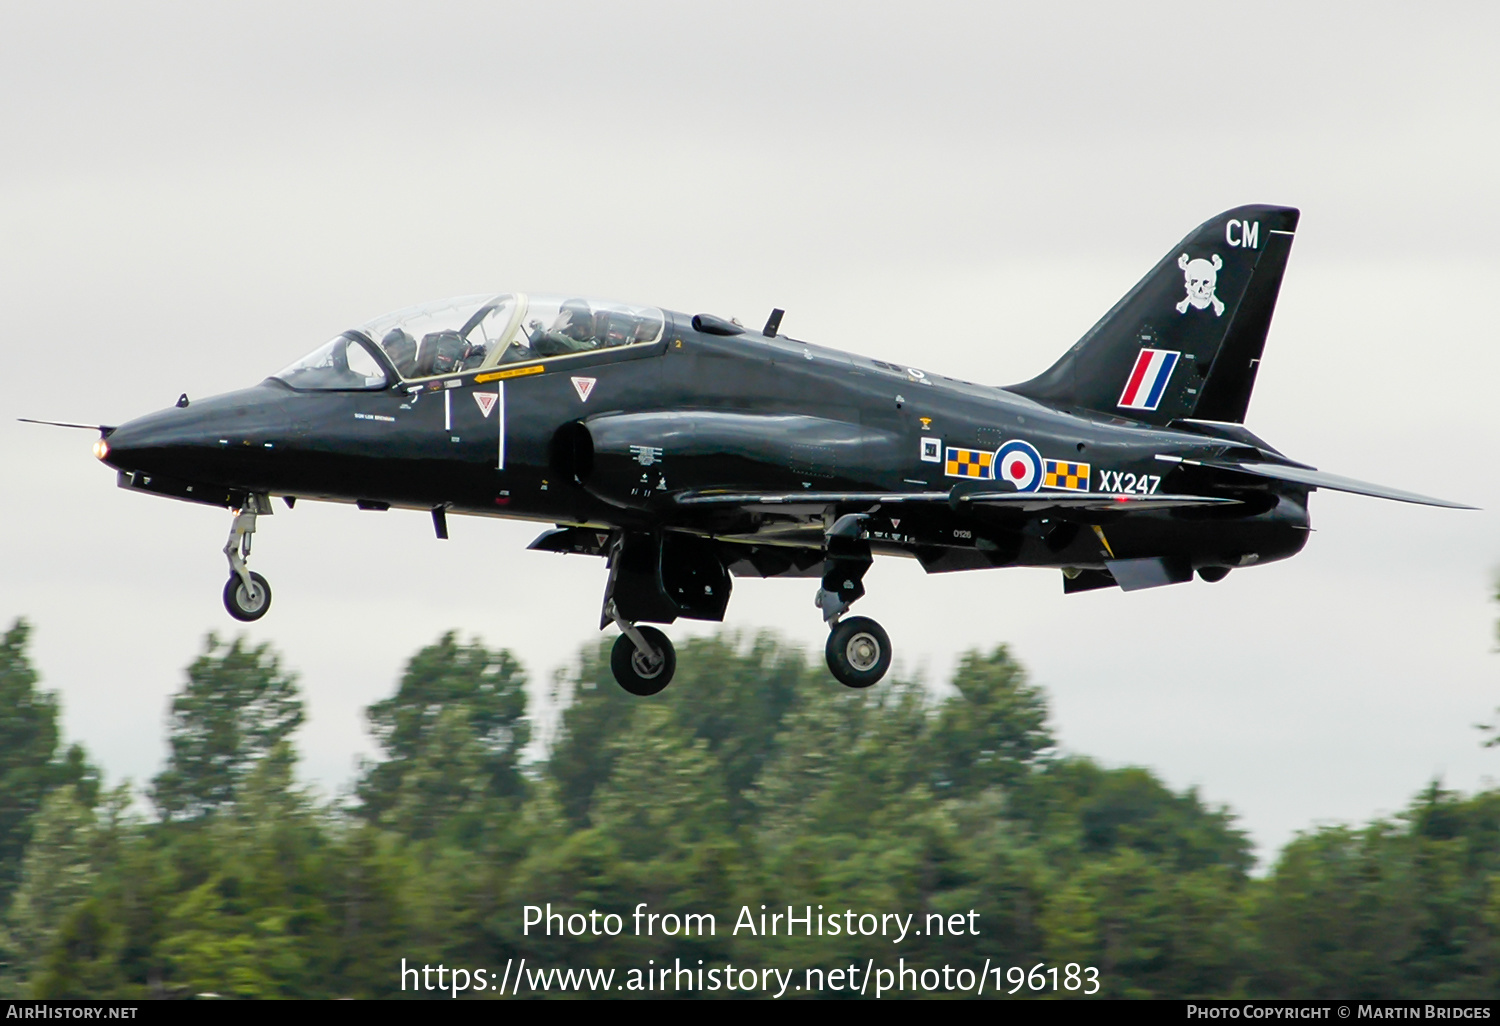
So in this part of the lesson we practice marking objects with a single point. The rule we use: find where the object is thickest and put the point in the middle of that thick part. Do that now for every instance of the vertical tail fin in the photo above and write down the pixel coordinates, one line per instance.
(1187, 340)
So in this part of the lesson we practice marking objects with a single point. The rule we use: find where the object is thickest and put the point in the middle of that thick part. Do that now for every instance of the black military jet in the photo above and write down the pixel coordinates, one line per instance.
(689, 451)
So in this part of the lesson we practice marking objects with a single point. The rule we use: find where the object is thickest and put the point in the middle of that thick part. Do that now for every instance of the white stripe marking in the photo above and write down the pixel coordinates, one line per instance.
(500, 420)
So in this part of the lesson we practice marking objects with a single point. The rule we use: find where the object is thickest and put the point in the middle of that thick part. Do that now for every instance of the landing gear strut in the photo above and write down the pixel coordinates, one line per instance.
(858, 650)
(247, 595)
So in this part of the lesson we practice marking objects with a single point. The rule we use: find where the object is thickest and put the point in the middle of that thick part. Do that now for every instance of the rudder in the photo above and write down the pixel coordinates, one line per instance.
(1186, 341)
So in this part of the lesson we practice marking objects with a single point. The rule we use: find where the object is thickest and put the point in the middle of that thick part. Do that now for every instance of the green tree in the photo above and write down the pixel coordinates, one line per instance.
(1150, 929)
(445, 783)
(736, 694)
(449, 693)
(29, 767)
(1086, 810)
(255, 920)
(730, 693)
(848, 818)
(1334, 915)
(755, 780)
(666, 792)
(56, 876)
(594, 712)
(77, 938)
(993, 730)
(659, 833)
(237, 706)
(1401, 908)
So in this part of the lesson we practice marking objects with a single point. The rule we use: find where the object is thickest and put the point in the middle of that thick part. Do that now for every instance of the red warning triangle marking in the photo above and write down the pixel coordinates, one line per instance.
(486, 401)
(895, 522)
(584, 386)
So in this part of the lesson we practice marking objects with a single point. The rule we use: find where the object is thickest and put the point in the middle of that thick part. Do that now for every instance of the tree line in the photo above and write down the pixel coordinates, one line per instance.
(754, 780)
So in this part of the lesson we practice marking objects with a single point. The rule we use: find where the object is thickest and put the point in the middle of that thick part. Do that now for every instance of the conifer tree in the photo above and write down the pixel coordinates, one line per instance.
(455, 701)
(29, 766)
(237, 706)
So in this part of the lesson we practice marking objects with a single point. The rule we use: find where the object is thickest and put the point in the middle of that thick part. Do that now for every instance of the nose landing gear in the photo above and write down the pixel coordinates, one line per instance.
(247, 595)
(858, 650)
(247, 602)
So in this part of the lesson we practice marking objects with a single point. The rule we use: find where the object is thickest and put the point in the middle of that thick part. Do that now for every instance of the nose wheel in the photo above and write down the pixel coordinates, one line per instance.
(247, 604)
(247, 595)
(858, 652)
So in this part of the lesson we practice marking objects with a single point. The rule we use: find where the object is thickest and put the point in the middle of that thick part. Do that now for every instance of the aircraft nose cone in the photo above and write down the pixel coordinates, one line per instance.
(128, 447)
(217, 439)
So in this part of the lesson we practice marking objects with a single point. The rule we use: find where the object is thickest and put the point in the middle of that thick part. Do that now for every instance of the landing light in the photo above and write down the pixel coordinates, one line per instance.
(101, 449)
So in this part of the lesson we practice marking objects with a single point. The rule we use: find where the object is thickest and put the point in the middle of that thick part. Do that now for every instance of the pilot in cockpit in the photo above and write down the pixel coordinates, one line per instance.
(402, 349)
(447, 352)
(473, 356)
(572, 331)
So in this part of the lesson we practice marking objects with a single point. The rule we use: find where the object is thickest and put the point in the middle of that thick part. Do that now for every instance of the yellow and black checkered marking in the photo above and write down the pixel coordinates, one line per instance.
(968, 463)
(1070, 477)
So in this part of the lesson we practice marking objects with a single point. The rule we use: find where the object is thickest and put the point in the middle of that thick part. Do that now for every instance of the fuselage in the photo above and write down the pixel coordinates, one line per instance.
(688, 450)
(619, 436)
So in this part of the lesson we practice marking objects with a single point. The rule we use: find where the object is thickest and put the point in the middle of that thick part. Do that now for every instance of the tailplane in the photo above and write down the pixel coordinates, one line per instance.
(1186, 341)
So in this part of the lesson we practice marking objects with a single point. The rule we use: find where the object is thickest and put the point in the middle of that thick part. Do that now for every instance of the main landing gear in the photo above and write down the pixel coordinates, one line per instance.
(247, 596)
(657, 577)
(858, 650)
(643, 659)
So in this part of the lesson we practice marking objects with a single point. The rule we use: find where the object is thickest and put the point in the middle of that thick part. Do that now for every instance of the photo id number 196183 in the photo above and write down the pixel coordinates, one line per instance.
(1072, 977)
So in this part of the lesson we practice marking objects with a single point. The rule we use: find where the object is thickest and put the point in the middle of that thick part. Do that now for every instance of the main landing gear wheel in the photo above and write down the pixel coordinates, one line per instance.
(247, 604)
(638, 673)
(858, 652)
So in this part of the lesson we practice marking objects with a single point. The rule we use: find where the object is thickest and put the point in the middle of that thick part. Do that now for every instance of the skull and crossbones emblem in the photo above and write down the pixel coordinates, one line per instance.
(1200, 277)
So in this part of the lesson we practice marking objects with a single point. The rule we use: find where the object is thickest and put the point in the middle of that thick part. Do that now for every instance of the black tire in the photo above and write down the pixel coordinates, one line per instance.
(631, 669)
(858, 652)
(243, 606)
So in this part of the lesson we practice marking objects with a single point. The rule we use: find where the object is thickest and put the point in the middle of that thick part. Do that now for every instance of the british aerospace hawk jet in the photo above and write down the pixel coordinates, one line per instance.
(688, 451)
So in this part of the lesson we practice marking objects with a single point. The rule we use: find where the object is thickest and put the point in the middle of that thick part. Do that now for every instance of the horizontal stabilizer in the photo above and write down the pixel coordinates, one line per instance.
(1029, 502)
(1318, 479)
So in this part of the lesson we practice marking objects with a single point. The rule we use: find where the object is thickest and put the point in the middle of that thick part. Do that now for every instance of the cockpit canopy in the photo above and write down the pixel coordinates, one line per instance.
(472, 333)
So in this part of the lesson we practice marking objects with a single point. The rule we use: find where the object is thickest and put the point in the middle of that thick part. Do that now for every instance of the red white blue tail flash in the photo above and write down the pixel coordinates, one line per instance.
(1148, 379)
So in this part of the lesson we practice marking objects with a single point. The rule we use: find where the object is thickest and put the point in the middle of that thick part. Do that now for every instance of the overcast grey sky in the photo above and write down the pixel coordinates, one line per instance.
(193, 195)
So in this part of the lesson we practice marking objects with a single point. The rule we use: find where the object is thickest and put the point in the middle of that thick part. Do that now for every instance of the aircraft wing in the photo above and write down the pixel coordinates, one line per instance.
(1028, 502)
(1319, 479)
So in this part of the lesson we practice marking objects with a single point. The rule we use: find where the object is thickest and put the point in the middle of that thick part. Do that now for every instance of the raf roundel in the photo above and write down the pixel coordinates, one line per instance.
(1019, 463)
